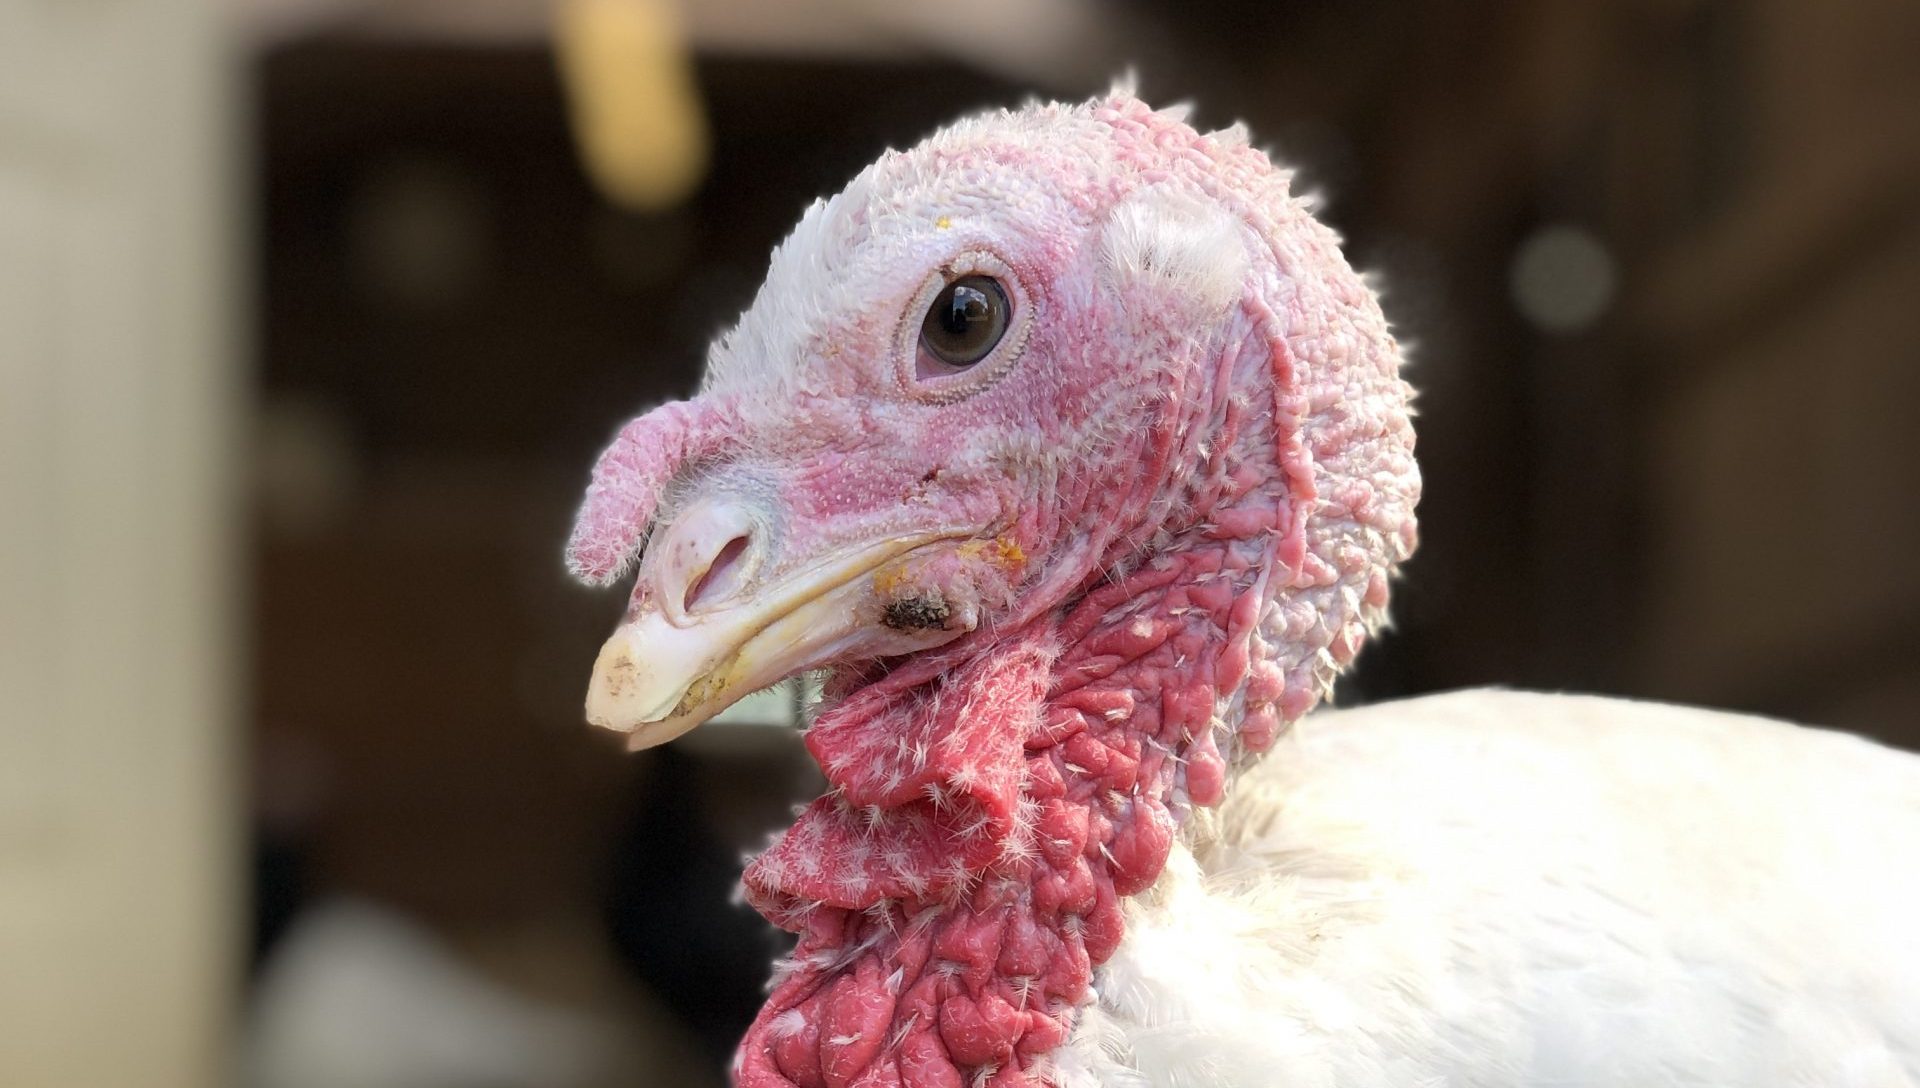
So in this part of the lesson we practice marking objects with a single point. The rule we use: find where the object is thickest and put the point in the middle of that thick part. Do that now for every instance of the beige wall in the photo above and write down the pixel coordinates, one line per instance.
(117, 391)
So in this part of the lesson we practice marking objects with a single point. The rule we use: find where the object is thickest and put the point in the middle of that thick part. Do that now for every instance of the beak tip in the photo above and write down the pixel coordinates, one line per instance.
(624, 695)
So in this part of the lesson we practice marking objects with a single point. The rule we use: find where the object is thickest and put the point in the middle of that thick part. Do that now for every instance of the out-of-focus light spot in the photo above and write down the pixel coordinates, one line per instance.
(1563, 278)
(636, 113)
(420, 233)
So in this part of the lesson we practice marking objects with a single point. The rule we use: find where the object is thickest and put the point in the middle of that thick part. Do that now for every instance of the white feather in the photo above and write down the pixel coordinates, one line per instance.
(1498, 888)
(1165, 241)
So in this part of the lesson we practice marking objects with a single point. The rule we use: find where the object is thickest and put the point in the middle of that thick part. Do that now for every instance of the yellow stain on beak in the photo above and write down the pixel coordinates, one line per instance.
(1002, 552)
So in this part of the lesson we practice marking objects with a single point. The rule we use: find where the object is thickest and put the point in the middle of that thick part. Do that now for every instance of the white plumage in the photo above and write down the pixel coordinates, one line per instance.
(1503, 888)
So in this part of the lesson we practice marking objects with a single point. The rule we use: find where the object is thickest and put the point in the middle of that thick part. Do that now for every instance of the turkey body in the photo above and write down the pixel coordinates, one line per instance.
(1502, 888)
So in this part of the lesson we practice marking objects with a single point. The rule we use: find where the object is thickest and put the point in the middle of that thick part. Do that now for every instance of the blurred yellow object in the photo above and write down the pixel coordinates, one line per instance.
(636, 113)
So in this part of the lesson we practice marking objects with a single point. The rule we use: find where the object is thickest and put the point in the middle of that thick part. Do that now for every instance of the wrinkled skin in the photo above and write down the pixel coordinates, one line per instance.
(1063, 591)
(814, 412)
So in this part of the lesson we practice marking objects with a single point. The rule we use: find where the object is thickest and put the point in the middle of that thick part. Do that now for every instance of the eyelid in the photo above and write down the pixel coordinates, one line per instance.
(970, 263)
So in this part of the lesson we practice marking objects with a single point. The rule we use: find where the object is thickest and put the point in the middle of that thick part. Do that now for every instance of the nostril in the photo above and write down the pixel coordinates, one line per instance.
(721, 577)
(708, 555)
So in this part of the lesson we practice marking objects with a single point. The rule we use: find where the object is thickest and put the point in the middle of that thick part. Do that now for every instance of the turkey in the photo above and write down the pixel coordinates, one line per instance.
(1069, 448)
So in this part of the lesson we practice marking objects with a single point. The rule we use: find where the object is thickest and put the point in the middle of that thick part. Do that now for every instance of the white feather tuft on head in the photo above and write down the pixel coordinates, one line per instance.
(1166, 240)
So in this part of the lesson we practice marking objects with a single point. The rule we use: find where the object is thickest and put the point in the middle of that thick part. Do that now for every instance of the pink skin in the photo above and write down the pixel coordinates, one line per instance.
(1173, 516)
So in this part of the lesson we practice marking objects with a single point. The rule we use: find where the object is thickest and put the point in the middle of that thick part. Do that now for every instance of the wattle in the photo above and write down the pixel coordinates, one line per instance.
(961, 880)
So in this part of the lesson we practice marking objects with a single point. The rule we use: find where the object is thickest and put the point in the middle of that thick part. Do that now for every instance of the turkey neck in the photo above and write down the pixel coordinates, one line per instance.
(991, 806)
(957, 885)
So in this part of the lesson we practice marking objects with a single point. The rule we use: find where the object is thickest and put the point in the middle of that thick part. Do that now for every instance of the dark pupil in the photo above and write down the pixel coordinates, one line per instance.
(967, 308)
(966, 320)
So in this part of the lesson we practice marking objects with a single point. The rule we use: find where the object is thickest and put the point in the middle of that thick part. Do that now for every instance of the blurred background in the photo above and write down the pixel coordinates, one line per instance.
(313, 314)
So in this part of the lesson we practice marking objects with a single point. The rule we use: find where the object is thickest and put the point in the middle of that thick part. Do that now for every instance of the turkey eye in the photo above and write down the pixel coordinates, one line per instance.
(967, 318)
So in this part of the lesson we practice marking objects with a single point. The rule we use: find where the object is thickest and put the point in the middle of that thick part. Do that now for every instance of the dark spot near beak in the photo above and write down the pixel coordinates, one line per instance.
(931, 475)
(927, 613)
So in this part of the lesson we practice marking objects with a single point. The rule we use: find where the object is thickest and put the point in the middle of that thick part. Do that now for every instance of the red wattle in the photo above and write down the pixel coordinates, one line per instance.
(958, 884)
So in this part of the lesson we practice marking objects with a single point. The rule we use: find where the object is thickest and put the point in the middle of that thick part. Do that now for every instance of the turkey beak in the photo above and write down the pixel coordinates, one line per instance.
(706, 632)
